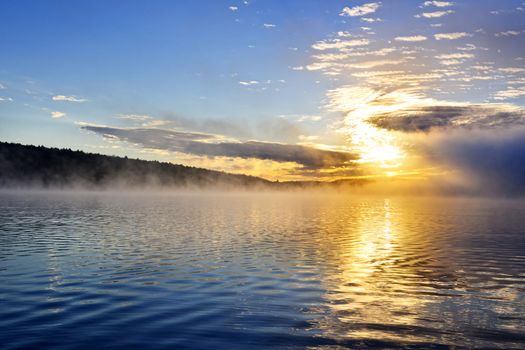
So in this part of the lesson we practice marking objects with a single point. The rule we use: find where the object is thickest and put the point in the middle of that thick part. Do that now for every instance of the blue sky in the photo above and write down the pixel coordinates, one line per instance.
(294, 73)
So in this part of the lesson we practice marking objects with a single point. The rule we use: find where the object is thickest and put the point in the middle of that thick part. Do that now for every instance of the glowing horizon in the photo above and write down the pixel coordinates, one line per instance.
(411, 90)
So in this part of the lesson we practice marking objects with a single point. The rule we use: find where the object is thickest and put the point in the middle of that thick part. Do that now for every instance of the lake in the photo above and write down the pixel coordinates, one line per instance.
(238, 271)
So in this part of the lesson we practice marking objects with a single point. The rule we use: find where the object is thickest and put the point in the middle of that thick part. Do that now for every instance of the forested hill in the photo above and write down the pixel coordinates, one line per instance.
(38, 166)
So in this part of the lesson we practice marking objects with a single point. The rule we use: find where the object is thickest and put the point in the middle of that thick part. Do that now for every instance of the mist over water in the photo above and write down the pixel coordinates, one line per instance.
(245, 270)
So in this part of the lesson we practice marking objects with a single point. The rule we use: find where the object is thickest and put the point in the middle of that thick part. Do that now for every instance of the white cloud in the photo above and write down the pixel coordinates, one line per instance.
(155, 123)
(9, 99)
(512, 70)
(510, 93)
(302, 117)
(453, 56)
(248, 83)
(517, 81)
(307, 139)
(372, 64)
(233, 8)
(481, 67)
(56, 115)
(68, 98)
(451, 62)
(362, 10)
(269, 25)
(339, 44)
(331, 56)
(411, 38)
(348, 54)
(371, 20)
(468, 47)
(135, 117)
(319, 66)
(438, 3)
(297, 68)
(2, 87)
(451, 36)
(344, 34)
(435, 14)
(508, 33)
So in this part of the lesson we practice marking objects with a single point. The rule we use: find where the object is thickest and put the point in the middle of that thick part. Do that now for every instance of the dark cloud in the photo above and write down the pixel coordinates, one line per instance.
(490, 161)
(460, 116)
(484, 143)
(211, 145)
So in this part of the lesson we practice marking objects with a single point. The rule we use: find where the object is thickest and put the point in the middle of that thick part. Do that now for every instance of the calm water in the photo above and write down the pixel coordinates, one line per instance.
(260, 271)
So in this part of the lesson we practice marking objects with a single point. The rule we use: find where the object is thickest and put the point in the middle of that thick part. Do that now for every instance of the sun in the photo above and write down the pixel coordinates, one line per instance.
(374, 145)
(377, 147)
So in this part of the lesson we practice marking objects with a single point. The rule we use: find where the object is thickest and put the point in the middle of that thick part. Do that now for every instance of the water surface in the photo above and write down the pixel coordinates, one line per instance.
(237, 271)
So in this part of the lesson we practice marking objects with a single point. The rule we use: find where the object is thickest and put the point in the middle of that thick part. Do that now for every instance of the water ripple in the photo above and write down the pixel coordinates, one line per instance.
(236, 271)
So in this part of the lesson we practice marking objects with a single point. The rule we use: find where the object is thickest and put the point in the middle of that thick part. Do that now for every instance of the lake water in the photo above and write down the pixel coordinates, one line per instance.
(238, 271)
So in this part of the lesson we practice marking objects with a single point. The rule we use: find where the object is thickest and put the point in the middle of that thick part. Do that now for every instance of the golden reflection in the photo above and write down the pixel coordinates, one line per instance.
(368, 287)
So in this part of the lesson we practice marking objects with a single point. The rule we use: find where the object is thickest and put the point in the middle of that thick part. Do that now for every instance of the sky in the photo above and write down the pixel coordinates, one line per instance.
(288, 90)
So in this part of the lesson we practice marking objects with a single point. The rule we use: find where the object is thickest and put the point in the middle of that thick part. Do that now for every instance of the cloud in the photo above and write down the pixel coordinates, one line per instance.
(438, 3)
(213, 146)
(511, 70)
(510, 93)
(56, 115)
(371, 20)
(144, 120)
(419, 90)
(467, 47)
(269, 25)
(373, 64)
(413, 38)
(278, 129)
(206, 125)
(489, 162)
(451, 62)
(451, 36)
(435, 14)
(337, 44)
(408, 111)
(302, 117)
(439, 114)
(508, 33)
(328, 57)
(135, 117)
(454, 56)
(249, 83)
(68, 98)
(362, 10)
(233, 8)
(8, 99)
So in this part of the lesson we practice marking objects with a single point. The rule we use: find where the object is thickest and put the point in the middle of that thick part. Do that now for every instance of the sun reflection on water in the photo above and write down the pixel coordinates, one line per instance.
(367, 292)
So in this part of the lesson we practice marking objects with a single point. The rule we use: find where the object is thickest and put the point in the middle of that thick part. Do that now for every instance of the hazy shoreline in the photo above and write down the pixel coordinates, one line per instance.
(38, 168)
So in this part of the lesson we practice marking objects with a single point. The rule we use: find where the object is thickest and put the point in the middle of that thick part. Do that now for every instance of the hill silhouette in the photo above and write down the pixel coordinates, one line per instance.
(42, 167)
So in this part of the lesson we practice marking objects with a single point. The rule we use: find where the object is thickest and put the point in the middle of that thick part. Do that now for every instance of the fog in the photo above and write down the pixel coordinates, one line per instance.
(484, 163)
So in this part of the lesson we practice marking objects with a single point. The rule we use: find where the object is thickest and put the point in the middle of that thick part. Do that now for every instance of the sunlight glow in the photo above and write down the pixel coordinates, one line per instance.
(376, 146)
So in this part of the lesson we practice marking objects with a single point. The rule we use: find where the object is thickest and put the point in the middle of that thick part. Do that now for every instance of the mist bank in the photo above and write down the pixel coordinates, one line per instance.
(25, 167)
(39, 167)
